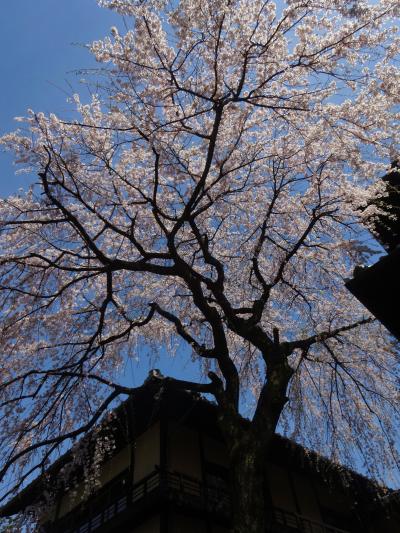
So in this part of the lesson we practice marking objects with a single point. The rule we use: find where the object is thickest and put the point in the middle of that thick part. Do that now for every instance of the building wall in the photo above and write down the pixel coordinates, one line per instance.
(152, 525)
(179, 523)
(183, 451)
(147, 452)
(115, 466)
(109, 471)
(334, 504)
(280, 488)
(306, 497)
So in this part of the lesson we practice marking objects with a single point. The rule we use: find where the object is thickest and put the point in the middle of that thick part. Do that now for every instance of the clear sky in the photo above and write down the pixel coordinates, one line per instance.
(42, 48)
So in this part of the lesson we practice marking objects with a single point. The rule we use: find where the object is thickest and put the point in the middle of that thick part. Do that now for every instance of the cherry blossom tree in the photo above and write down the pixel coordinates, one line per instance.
(211, 194)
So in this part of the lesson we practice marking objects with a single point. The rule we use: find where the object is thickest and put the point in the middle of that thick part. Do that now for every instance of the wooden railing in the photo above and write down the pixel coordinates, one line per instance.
(183, 490)
(179, 488)
(300, 523)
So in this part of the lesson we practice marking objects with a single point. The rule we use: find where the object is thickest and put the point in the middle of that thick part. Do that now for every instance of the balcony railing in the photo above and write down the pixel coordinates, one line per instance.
(183, 491)
(300, 523)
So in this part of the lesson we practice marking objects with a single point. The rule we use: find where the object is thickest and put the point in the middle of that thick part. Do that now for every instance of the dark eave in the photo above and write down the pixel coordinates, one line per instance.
(378, 289)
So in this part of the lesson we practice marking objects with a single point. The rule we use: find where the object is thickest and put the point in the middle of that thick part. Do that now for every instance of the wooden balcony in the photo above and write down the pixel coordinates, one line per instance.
(176, 490)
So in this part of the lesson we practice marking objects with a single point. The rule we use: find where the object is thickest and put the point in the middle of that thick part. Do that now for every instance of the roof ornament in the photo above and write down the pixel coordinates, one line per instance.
(153, 376)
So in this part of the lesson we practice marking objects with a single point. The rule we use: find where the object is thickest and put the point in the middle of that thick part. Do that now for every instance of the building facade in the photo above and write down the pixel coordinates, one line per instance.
(169, 473)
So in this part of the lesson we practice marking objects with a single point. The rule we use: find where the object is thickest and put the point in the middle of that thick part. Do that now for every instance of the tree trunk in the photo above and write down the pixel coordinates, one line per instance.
(248, 444)
(249, 506)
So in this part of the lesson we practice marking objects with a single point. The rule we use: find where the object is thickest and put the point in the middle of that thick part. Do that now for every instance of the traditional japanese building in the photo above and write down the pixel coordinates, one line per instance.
(378, 286)
(169, 473)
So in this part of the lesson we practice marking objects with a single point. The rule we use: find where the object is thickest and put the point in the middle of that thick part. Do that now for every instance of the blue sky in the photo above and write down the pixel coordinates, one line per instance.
(42, 43)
